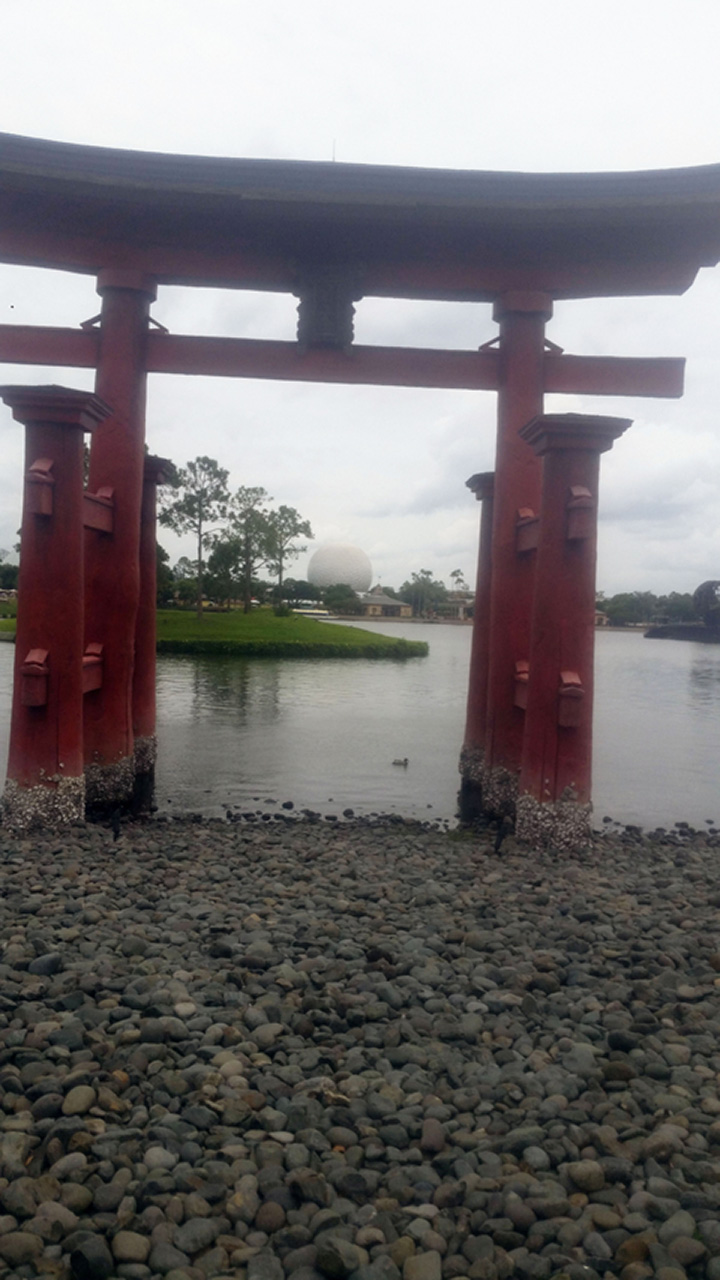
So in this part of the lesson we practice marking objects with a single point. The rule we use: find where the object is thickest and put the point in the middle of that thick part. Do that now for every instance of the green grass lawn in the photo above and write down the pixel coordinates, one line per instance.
(8, 610)
(260, 634)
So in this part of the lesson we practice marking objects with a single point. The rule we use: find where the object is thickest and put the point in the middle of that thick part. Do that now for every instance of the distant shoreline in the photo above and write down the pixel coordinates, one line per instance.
(696, 631)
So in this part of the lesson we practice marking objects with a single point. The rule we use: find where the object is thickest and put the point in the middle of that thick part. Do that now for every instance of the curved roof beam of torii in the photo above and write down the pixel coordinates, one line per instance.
(400, 232)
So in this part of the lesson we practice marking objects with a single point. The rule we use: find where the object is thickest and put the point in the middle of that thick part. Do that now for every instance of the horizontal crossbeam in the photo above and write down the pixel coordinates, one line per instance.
(286, 361)
(40, 344)
(379, 366)
(654, 376)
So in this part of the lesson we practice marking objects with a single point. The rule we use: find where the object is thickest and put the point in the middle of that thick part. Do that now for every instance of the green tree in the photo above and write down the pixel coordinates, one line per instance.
(197, 499)
(630, 608)
(457, 579)
(185, 591)
(423, 592)
(248, 519)
(340, 598)
(8, 573)
(224, 569)
(184, 569)
(165, 577)
(677, 607)
(299, 589)
(284, 526)
(706, 600)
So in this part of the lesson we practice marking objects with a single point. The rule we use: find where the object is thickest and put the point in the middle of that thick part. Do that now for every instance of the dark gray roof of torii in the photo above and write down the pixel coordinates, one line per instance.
(365, 217)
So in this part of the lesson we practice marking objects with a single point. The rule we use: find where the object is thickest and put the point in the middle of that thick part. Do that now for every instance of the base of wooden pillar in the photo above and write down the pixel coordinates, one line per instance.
(471, 764)
(555, 824)
(144, 784)
(59, 804)
(109, 786)
(470, 796)
(499, 791)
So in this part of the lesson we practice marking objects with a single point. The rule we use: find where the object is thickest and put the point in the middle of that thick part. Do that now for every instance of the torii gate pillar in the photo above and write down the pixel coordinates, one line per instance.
(473, 751)
(156, 471)
(553, 805)
(522, 317)
(113, 562)
(45, 783)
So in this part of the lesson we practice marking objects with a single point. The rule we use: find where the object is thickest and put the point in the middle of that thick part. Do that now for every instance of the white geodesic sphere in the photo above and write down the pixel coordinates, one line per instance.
(337, 562)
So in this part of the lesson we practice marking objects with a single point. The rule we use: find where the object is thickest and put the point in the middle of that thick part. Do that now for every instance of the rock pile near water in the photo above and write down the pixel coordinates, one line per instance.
(376, 1052)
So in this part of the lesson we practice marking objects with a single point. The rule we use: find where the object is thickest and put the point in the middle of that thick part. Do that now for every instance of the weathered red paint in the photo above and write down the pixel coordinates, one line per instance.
(522, 320)
(378, 366)
(482, 485)
(390, 277)
(112, 560)
(557, 744)
(46, 735)
(154, 473)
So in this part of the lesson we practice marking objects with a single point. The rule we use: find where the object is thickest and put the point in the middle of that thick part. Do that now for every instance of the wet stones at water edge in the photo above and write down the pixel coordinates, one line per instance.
(58, 804)
(349, 1050)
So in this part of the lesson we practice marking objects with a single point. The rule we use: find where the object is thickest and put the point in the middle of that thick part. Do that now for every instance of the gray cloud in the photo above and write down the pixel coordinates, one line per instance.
(381, 467)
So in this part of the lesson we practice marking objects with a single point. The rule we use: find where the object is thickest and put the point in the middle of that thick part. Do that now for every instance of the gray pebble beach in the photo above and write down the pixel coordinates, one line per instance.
(378, 1051)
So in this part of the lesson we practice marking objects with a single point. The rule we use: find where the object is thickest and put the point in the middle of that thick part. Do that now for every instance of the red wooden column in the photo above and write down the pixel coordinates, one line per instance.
(473, 752)
(522, 318)
(156, 471)
(45, 784)
(113, 565)
(554, 802)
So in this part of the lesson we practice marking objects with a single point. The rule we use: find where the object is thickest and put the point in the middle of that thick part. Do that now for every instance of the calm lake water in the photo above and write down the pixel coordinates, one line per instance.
(240, 734)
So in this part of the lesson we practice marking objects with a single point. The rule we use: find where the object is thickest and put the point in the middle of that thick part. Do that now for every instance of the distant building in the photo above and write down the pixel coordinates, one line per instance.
(459, 606)
(375, 604)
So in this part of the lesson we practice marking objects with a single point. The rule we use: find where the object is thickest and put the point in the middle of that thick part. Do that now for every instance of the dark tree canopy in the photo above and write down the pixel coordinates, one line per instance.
(340, 598)
(640, 608)
(707, 603)
(249, 528)
(423, 592)
(165, 578)
(224, 569)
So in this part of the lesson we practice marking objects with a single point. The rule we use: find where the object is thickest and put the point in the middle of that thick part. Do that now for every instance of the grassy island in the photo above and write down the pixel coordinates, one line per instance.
(261, 634)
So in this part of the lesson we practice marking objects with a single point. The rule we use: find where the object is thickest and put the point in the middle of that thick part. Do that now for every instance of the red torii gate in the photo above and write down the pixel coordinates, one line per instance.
(332, 234)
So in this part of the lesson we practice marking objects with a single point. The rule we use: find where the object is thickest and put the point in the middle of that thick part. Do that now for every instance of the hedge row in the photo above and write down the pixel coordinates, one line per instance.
(400, 649)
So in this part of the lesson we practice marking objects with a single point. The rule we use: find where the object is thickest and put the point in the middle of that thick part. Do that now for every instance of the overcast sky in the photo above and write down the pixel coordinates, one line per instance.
(481, 84)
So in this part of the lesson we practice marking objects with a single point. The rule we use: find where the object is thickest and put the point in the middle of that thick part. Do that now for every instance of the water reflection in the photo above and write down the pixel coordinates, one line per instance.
(234, 734)
(322, 734)
(202, 687)
(705, 682)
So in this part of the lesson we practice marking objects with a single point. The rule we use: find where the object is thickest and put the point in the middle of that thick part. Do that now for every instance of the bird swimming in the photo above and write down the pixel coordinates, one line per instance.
(403, 763)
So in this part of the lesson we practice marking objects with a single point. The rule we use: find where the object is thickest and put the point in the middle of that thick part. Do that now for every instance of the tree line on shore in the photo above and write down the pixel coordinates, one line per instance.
(240, 530)
(240, 534)
(179, 586)
(643, 608)
(237, 535)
